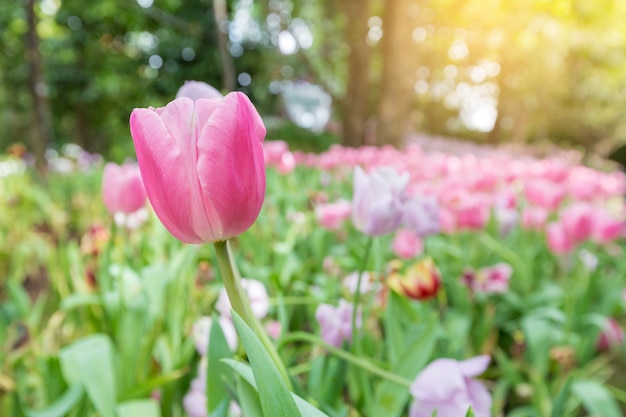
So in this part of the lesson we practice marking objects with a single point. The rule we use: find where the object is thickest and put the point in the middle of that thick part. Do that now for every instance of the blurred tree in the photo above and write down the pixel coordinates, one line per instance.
(38, 89)
(398, 69)
(356, 102)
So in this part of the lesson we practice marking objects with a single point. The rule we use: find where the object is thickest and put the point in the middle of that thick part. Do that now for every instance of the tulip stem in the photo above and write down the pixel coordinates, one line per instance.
(241, 304)
(357, 292)
(347, 356)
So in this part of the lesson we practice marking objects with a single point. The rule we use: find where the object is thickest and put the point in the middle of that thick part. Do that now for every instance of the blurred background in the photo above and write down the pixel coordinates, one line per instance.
(352, 71)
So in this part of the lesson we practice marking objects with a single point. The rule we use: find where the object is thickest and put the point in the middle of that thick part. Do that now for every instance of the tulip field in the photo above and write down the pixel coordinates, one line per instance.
(241, 277)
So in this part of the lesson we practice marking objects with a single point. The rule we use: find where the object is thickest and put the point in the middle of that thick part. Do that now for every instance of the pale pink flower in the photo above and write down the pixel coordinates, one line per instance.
(534, 218)
(377, 205)
(331, 216)
(122, 188)
(197, 89)
(543, 193)
(406, 244)
(447, 385)
(336, 322)
(257, 294)
(202, 329)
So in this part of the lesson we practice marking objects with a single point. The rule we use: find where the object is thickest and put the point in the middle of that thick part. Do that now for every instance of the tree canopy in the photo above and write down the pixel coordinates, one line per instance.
(488, 70)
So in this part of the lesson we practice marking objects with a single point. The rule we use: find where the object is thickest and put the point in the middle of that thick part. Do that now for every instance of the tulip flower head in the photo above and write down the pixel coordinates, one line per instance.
(198, 89)
(124, 195)
(489, 280)
(446, 385)
(122, 188)
(377, 205)
(407, 244)
(257, 294)
(202, 165)
(336, 322)
(612, 335)
(202, 329)
(332, 215)
(419, 281)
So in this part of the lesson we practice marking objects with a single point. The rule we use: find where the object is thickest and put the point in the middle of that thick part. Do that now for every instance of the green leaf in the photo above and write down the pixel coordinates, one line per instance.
(89, 362)
(470, 413)
(276, 399)
(216, 369)
(538, 334)
(248, 398)
(558, 407)
(139, 408)
(596, 398)
(62, 405)
(390, 398)
(306, 409)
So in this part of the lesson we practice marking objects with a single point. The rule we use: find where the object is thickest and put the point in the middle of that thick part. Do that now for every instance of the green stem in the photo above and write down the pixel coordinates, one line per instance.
(241, 304)
(347, 356)
(357, 292)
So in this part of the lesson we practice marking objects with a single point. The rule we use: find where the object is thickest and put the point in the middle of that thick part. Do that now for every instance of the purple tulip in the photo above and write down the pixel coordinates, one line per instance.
(378, 201)
(336, 322)
(421, 215)
(197, 89)
(446, 385)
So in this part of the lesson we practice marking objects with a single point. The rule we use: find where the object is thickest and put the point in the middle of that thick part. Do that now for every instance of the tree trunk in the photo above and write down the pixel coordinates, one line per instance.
(398, 73)
(228, 65)
(355, 105)
(41, 128)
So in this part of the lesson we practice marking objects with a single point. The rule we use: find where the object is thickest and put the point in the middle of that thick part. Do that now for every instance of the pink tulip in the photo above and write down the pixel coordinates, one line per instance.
(122, 188)
(332, 215)
(545, 194)
(197, 89)
(558, 240)
(578, 222)
(489, 280)
(447, 385)
(534, 218)
(611, 336)
(202, 165)
(407, 244)
(606, 228)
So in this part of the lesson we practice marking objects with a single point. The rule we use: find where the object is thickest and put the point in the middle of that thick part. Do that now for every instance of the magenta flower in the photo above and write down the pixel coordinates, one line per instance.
(377, 205)
(197, 89)
(577, 221)
(202, 165)
(336, 322)
(446, 385)
(489, 280)
(612, 335)
(122, 188)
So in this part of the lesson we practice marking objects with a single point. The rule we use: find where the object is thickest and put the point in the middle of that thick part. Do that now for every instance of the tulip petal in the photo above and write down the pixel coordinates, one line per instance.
(438, 382)
(165, 148)
(474, 366)
(230, 165)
